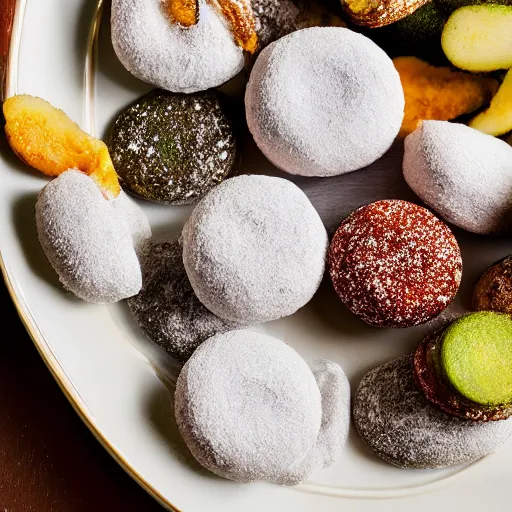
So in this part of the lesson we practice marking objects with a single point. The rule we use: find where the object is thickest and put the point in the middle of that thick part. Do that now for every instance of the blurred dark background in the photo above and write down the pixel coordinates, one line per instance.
(49, 461)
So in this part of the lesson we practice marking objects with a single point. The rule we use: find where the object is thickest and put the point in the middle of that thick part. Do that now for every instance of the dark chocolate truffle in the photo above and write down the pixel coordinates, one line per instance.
(167, 309)
(394, 264)
(173, 148)
(402, 427)
(493, 292)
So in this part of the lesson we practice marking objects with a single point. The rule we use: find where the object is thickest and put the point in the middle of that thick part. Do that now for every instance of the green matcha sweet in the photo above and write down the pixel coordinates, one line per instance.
(476, 356)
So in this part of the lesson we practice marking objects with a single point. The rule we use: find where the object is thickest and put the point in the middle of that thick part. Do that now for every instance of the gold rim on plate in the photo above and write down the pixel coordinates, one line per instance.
(9, 88)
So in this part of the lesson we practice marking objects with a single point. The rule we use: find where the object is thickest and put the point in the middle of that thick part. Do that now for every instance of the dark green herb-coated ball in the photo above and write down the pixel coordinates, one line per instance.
(173, 148)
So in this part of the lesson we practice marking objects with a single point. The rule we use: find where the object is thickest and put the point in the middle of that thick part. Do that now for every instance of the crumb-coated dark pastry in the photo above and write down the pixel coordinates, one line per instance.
(277, 18)
(167, 309)
(394, 264)
(493, 292)
(173, 148)
(402, 427)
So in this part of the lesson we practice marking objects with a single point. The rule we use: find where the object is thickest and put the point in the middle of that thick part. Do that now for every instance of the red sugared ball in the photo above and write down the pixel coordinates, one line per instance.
(394, 264)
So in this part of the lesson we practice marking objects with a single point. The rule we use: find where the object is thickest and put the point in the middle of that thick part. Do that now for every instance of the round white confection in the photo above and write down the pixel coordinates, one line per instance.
(248, 407)
(403, 428)
(90, 247)
(463, 174)
(324, 101)
(335, 390)
(254, 249)
(129, 211)
(165, 54)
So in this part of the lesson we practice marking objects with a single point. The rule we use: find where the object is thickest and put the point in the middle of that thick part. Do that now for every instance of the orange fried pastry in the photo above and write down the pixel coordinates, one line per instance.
(48, 140)
(377, 13)
(439, 93)
(240, 17)
(184, 12)
(237, 13)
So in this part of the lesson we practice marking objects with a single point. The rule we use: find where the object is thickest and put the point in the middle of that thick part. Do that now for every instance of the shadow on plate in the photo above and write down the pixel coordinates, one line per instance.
(23, 218)
(160, 413)
(333, 314)
(165, 366)
(361, 448)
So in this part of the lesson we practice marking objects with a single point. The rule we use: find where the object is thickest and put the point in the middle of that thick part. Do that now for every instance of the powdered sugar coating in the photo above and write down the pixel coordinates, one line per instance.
(169, 56)
(254, 249)
(463, 174)
(277, 18)
(167, 309)
(394, 264)
(403, 428)
(249, 408)
(335, 390)
(127, 209)
(173, 148)
(90, 247)
(324, 101)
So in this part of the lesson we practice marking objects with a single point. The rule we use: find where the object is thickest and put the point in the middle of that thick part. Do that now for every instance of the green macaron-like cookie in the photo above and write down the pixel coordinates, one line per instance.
(476, 357)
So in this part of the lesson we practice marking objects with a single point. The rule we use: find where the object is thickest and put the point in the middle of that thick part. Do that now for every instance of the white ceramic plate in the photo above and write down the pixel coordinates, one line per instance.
(114, 377)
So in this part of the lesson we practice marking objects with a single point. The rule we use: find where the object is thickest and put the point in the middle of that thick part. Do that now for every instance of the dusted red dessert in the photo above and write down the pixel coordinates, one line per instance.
(394, 264)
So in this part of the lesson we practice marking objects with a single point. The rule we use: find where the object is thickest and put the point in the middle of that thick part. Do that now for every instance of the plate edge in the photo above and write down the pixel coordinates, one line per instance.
(42, 346)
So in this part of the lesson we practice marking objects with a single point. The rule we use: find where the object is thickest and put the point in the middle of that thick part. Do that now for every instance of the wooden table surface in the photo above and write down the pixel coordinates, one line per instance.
(49, 461)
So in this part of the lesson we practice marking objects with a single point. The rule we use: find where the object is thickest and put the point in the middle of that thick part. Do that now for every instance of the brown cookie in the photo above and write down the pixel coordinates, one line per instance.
(493, 292)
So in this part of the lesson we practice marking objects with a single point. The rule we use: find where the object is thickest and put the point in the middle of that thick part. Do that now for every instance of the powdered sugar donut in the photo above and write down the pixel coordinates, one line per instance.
(170, 56)
(249, 408)
(463, 174)
(405, 429)
(254, 249)
(324, 101)
(90, 241)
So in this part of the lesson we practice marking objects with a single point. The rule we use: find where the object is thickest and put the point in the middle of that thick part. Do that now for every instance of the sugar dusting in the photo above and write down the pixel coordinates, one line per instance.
(167, 309)
(403, 428)
(395, 264)
(463, 174)
(169, 56)
(254, 249)
(249, 408)
(88, 245)
(275, 19)
(173, 148)
(324, 101)
(335, 390)
(130, 212)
